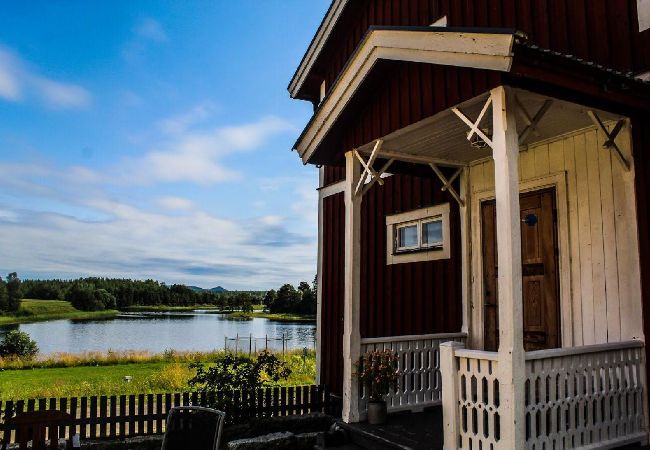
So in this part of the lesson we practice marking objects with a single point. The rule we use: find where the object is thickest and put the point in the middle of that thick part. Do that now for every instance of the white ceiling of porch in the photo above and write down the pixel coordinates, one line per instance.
(442, 138)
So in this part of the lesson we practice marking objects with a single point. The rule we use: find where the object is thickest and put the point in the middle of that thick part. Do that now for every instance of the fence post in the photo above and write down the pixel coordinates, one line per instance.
(237, 343)
(250, 345)
(449, 374)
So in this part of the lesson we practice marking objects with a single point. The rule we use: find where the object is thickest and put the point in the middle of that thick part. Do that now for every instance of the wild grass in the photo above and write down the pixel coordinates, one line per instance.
(108, 358)
(273, 316)
(147, 376)
(32, 310)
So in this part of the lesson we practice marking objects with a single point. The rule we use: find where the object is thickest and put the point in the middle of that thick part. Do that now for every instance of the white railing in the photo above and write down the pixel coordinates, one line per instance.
(419, 384)
(580, 397)
(471, 397)
(585, 396)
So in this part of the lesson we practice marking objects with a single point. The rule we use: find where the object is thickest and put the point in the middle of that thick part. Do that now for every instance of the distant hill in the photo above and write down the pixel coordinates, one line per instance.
(214, 289)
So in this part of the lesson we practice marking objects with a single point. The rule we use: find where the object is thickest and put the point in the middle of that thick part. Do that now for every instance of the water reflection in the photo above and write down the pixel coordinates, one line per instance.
(158, 331)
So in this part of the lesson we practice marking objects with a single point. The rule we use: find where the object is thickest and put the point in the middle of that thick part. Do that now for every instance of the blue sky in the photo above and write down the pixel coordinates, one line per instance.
(152, 140)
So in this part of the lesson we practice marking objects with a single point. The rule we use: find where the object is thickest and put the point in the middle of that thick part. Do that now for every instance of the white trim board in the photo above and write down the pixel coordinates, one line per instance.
(332, 189)
(461, 49)
(316, 45)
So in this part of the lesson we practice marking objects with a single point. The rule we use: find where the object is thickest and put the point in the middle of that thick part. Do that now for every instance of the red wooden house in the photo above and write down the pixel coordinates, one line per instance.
(484, 211)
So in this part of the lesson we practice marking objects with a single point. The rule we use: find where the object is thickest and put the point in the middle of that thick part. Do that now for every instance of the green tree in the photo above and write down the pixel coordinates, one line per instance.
(269, 298)
(287, 300)
(4, 298)
(18, 343)
(14, 293)
(82, 296)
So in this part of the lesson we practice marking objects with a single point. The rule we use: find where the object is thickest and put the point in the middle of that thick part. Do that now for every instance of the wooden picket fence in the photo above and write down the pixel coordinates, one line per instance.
(105, 417)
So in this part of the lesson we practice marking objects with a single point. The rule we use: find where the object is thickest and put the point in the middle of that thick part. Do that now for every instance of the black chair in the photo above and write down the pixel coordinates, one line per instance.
(193, 427)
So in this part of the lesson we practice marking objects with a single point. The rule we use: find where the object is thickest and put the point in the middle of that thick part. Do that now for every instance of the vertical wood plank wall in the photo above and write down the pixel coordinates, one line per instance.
(332, 295)
(412, 298)
(605, 289)
(603, 31)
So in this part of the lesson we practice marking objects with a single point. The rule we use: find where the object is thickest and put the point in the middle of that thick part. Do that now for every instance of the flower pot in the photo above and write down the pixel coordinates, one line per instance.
(376, 412)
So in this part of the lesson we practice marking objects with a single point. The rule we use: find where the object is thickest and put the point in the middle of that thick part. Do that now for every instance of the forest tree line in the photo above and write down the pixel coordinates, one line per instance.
(95, 294)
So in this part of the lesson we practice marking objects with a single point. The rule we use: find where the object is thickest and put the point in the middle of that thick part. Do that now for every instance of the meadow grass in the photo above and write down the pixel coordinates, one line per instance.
(274, 316)
(32, 310)
(147, 376)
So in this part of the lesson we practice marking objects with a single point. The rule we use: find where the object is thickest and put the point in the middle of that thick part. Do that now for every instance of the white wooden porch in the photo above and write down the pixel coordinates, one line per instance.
(577, 396)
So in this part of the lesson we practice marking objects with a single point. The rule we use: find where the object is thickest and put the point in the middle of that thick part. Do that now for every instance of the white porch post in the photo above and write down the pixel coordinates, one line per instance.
(351, 323)
(319, 274)
(511, 351)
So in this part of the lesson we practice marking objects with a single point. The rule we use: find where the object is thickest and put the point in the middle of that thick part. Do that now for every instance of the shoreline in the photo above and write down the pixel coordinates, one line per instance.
(77, 315)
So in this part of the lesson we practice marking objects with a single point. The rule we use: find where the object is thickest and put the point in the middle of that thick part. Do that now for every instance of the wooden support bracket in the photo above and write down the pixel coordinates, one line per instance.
(474, 126)
(370, 176)
(610, 143)
(446, 183)
(531, 122)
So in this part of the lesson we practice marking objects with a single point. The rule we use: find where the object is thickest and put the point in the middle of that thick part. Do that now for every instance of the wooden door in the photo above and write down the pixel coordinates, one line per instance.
(539, 254)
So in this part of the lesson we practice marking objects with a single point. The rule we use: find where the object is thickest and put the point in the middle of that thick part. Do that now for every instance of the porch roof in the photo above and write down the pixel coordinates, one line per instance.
(443, 138)
(488, 49)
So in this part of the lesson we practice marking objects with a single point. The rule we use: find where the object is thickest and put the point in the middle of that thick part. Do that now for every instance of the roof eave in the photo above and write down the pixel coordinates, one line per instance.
(315, 46)
(486, 49)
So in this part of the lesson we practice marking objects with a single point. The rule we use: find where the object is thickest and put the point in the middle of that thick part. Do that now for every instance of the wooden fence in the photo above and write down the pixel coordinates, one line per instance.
(121, 416)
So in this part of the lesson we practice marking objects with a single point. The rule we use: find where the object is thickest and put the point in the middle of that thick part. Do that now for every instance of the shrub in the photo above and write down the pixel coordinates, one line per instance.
(233, 372)
(18, 343)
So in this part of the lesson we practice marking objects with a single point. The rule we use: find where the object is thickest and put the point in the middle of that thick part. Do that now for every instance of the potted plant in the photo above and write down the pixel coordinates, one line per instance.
(377, 372)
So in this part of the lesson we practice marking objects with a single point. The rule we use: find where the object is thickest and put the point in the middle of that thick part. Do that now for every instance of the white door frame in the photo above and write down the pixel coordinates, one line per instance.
(558, 181)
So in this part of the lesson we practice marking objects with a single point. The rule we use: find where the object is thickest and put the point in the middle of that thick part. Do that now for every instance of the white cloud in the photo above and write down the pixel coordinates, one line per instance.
(196, 157)
(18, 81)
(181, 122)
(150, 29)
(175, 203)
(146, 32)
(61, 95)
(193, 248)
(9, 84)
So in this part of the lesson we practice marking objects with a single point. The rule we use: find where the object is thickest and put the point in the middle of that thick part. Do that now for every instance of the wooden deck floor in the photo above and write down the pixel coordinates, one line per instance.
(416, 431)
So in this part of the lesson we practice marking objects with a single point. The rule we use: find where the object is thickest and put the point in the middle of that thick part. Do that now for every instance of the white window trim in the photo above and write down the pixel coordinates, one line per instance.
(422, 253)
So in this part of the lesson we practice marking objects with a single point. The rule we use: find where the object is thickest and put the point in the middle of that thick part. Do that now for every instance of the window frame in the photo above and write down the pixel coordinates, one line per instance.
(423, 222)
(421, 252)
(397, 227)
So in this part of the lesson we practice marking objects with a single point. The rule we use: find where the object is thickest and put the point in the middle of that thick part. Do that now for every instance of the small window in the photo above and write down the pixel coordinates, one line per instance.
(407, 237)
(432, 233)
(419, 235)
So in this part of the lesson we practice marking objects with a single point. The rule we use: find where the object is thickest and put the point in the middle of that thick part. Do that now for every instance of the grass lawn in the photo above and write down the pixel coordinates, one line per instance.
(38, 310)
(153, 377)
(275, 317)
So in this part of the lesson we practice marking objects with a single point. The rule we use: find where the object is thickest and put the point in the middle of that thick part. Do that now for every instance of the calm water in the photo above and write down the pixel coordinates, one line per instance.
(156, 332)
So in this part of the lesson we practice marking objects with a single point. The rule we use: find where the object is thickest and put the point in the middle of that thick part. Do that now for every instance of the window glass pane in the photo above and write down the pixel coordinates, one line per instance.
(432, 233)
(407, 237)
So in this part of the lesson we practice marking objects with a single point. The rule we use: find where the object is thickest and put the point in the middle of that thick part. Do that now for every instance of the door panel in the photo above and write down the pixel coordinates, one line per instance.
(539, 272)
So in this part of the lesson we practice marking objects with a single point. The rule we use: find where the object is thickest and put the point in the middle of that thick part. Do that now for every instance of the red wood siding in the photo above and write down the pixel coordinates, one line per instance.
(414, 298)
(333, 174)
(332, 292)
(603, 31)
(401, 93)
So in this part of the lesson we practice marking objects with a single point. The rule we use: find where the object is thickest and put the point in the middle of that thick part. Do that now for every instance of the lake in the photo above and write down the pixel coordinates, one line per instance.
(158, 331)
